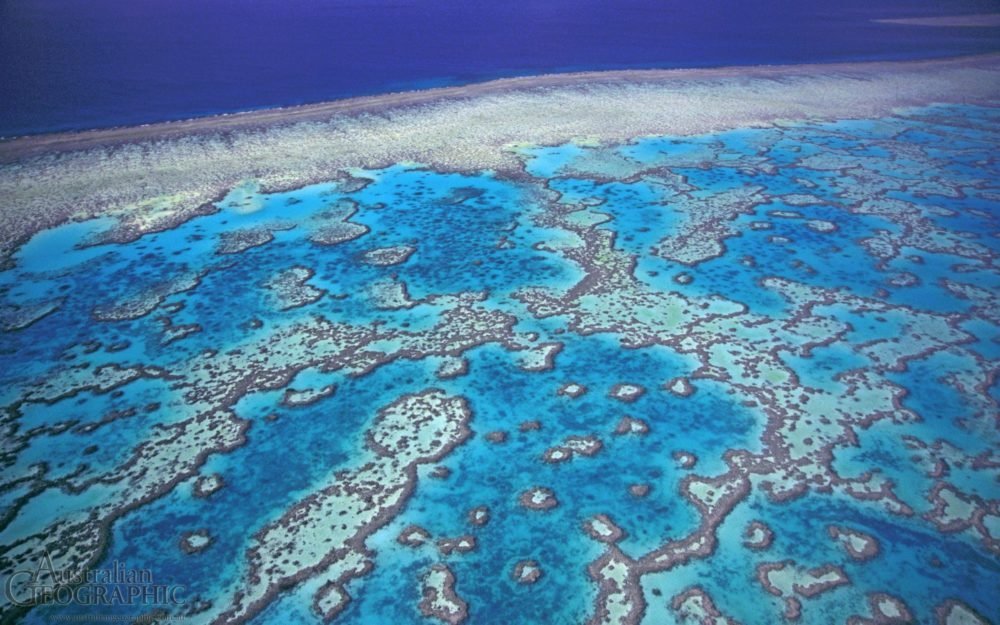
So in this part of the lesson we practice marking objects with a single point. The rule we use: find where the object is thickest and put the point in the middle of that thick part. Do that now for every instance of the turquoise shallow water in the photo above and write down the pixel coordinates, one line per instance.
(829, 290)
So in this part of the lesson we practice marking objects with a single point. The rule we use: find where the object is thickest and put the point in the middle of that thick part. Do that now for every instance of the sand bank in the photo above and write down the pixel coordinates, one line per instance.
(981, 20)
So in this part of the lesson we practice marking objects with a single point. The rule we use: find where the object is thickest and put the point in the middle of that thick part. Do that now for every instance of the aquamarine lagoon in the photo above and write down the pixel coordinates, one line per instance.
(733, 376)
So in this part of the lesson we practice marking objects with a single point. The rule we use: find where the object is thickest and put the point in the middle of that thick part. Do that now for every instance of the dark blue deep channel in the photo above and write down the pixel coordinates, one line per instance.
(69, 64)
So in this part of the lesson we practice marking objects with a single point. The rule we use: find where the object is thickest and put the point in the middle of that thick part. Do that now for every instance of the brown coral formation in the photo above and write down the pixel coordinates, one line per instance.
(859, 545)
(572, 390)
(479, 516)
(440, 600)
(413, 536)
(538, 498)
(639, 490)
(290, 288)
(757, 536)
(630, 425)
(386, 256)
(206, 485)
(459, 544)
(885, 610)
(627, 393)
(602, 529)
(526, 572)
(954, 612)
(571, 447)
(195, 542)
(694, 605)
(680, 387)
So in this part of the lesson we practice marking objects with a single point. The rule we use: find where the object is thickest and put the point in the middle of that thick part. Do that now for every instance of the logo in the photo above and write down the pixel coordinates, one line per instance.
(119, 585)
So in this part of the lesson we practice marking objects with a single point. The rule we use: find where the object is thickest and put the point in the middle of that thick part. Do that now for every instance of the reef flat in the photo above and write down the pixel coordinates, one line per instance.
(153, 177)
(977, 20)
(730, 363)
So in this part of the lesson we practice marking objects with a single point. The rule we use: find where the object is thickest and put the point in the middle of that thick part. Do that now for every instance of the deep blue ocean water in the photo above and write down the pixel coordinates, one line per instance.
(66, 64)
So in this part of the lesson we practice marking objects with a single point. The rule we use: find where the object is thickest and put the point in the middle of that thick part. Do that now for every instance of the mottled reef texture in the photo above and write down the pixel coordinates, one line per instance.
(155, 177)
(744, 351)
